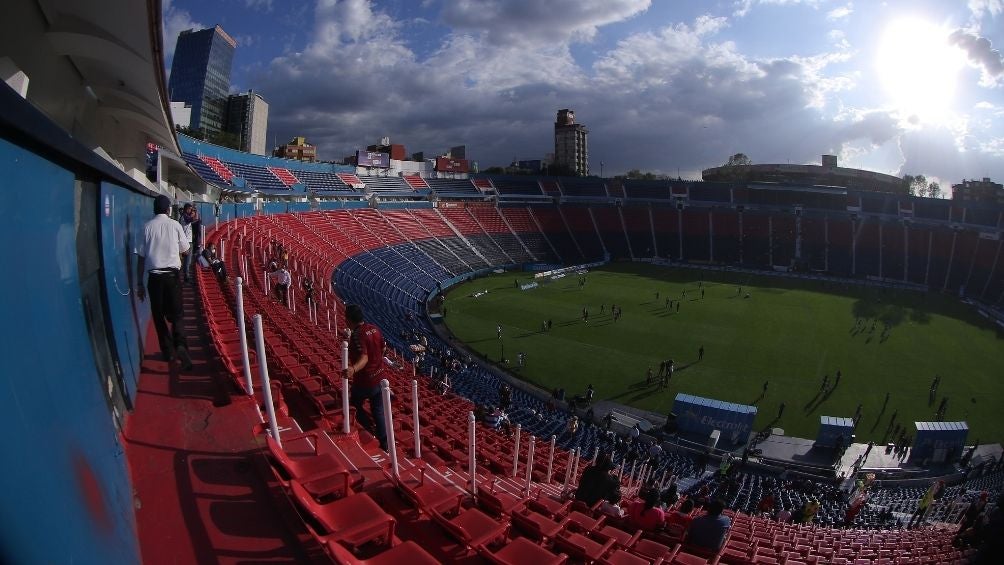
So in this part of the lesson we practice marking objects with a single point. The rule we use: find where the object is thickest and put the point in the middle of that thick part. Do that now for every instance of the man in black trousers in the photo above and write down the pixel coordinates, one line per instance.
(164, 243)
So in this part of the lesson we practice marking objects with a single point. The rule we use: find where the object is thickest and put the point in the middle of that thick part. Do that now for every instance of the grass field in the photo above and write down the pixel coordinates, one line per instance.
(788, 333)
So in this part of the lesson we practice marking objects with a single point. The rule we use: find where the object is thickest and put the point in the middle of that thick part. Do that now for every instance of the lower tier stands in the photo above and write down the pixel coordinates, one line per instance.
(341, 490)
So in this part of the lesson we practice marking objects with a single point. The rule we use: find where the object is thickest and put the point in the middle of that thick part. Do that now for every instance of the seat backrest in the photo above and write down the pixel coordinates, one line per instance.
(451, 528)
(341, 554)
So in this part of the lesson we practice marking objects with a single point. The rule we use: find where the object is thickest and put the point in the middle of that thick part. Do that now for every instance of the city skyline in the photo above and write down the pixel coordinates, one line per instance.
(898, 88)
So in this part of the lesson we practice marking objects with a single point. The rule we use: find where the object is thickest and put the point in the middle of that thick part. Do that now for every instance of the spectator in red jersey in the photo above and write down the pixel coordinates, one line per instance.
(365, 371)
(647, 514)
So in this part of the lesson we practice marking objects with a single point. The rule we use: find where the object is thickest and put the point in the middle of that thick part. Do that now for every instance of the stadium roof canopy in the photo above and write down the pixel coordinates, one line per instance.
(93, 71)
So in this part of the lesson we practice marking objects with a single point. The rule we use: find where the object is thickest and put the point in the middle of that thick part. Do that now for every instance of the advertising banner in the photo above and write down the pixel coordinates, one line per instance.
(446, 164)
(372, 159)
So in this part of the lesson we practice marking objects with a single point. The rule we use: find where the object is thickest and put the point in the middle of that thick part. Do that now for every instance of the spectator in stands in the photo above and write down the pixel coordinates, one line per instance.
(809, 510)
(281, 279)
(189, 219)
(972, 512)
(709, 530)
(308, 290)
(934, 491)
(766, 504)
(505, 397)
(365, 370)
(164, 243)
(573, 426)
(670, 495)
(589, 394)
(681, 516)
(783, 514)
(646, 514)
(215, 263)
(597, 483)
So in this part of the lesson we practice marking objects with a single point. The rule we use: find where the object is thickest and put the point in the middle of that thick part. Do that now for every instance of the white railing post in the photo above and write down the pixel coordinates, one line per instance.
(329, 320)
(242, 330)
(388, 417)
(266, 283)
(529, 466)
(575, 467)
(631, 474)
(259, 337)
(416, 423)
(291, 298)
(346, 419)
(550, 461)
(596, 453)
(568, 472)
(472, 453)
(515, 451)
(414, 365)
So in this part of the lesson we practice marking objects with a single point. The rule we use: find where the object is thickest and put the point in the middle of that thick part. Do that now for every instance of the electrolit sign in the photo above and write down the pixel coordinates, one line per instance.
(702, 415)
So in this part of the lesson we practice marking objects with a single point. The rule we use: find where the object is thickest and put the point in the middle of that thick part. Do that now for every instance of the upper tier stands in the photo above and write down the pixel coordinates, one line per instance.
(463, 187)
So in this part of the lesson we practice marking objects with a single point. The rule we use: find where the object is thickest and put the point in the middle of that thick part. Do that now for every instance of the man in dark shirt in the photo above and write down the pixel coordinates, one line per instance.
(598, 484)
(709, 531)
(365, 371)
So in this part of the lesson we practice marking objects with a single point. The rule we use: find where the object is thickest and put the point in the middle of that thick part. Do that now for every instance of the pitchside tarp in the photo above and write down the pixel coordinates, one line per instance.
(831, 428)
(698, 415)
(939, 441)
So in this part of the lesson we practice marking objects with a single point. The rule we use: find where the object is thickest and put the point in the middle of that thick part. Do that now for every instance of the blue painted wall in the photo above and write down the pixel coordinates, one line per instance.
(67, 493)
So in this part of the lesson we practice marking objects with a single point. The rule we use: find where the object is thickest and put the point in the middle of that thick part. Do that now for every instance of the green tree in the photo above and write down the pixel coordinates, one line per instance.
(934, 190)
(916, 185)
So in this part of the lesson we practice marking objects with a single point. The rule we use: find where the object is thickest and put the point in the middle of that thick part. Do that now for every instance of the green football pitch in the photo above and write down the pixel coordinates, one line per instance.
(787, 333)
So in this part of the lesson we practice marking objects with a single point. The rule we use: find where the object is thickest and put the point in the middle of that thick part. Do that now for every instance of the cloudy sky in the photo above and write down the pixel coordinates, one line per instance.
(900, 87)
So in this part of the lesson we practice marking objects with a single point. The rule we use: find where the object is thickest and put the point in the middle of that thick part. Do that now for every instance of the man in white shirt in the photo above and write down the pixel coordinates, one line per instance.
(164, 242)
(282, 280)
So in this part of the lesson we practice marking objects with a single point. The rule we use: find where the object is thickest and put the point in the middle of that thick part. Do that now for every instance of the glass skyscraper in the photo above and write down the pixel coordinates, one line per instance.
(200, 75)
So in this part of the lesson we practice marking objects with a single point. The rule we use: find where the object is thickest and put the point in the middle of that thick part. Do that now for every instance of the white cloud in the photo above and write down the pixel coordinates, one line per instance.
(981, 54)
(175, 21)
(743, 7)
(979, 8)
(840, 12)
(508, 22)
(678, 95)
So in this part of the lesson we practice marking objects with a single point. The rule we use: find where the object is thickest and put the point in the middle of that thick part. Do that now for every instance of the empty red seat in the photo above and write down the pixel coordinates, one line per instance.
(522, 551)
(353, 520)
(426, 495)
(471, 527)
(408, 552)
(535, 524)
(621, 557)
(650, 549)
(319, 474)
(580, 547)
(684, 558)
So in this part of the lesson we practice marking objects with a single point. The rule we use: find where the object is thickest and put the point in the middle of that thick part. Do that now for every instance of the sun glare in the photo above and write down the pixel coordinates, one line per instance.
(918, 68)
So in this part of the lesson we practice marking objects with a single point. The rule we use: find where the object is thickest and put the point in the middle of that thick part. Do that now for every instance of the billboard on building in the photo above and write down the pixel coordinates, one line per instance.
(372, 159)
(449, 165)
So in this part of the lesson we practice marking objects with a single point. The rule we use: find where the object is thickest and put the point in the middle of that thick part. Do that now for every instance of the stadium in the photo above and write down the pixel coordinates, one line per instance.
(495, 295)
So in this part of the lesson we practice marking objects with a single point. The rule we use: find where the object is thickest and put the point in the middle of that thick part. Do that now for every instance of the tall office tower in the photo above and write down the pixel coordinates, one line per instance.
(200, 75)
(571, 144)
(247, 118)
